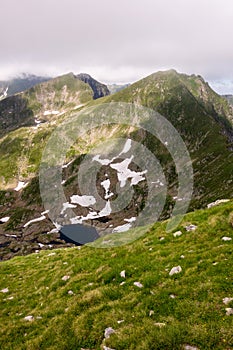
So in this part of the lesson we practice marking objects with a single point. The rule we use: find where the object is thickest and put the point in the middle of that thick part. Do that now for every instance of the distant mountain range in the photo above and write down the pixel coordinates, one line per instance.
(229, 98)
(27, 81)
(203, 118)
(19, 84)
(116, 87)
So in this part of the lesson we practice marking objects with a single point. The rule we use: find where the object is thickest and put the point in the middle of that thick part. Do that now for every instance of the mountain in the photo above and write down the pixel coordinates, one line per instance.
(99, 89)
(19, 84)
(202, 118)
(116, 87)
(42, 102)
(229, 98)
(126, 297)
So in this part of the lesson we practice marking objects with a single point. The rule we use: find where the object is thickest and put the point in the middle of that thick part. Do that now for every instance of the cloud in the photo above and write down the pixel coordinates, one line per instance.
(117, 40)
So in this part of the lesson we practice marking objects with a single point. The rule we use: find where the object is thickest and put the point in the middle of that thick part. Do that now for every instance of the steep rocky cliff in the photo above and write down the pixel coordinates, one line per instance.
(99, 89)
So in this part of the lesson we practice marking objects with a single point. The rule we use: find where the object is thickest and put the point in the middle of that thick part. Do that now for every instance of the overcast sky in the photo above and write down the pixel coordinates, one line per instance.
(118, 40)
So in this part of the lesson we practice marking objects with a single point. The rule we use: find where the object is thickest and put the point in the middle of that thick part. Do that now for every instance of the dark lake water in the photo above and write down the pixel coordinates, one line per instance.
(78, 234)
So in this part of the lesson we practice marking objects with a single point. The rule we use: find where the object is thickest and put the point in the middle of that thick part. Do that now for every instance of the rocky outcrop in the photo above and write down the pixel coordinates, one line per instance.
(99, 89)
(14, 113)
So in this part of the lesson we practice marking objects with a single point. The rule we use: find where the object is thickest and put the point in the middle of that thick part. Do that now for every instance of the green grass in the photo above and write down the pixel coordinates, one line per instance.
(196, 316)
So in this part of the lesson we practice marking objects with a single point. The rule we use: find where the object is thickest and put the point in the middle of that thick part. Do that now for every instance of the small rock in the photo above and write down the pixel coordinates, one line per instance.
(70, 292)
(174, 270)
(227, 300)
(160, 324)
(138, 284)
(190, 227)
(120, 321)
(229, 311)
(108, 331)
(65, 278)
(107, 348)
(161, 238)
(225, 239)
(177, 233)
(172, 296)
(29, 318)
(189, 347)
(182, 256)
(5, 290)
(10, 298)
(150, 249)
(122, 283)
(122, 274)
(151, 312)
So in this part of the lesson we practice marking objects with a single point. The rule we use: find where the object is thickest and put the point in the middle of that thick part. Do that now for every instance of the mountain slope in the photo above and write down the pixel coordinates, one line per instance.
(19, 84)
(42, 102)
(207, 135)
(68, 299)
(203, 119)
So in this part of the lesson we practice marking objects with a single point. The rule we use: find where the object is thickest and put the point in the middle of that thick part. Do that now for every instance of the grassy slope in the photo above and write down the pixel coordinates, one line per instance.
(196, 316)
(20, 149)
(192, 107)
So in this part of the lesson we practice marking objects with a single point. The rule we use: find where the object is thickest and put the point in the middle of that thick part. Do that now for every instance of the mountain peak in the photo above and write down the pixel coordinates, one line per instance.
(99, 89)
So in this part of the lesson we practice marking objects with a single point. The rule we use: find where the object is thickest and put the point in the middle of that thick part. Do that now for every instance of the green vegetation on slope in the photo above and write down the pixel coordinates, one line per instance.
(203, 120)
(65, 92)
(168, 312)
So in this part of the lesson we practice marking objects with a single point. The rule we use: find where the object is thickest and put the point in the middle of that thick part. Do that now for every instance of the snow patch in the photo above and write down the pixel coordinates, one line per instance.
(106, 185)
(131, 219)
(20, 186)
(66, 206)
(101, 161)
(84, 201)
(35, 220)
(93, 215)
(122, 228)
(124, 173)
(45, 212)
(127, 146)
(5, 219)
(217, 202)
